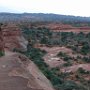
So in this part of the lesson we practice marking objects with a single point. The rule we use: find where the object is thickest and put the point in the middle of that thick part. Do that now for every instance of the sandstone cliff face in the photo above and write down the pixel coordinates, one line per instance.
(13, 38)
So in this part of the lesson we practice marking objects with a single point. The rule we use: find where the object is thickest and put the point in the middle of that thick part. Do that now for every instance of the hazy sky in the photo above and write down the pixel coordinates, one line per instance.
(66, 7)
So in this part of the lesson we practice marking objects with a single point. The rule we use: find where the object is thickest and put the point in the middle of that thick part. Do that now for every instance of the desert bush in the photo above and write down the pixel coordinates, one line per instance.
(82, 71)
(79, 57)
(1, 53)
(67, 58)
(67, 64)
(61, 54)
(85, 49)
(86, 59)
(71, 85)
(58, 79)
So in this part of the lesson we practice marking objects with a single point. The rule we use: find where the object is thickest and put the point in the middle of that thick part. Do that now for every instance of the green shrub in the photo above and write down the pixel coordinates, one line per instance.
(66, 58)
(1, 53)
(79, 57)
(85, 49)
(86, 59)
(82, 71)
(71, 85)
(67, 64)
(61, 54)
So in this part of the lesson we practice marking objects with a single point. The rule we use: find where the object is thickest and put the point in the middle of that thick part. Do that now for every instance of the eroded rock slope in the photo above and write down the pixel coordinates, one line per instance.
(17, 72)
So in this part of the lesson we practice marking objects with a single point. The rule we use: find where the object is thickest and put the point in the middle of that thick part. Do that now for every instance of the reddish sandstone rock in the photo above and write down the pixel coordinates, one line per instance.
(17, 72)
(13, 38)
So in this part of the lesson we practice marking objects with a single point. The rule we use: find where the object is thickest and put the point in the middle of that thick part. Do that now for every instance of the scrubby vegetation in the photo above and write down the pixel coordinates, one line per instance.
(40, 17)
(57, 78)
(78, 42)
(86, 59)
(82, 71)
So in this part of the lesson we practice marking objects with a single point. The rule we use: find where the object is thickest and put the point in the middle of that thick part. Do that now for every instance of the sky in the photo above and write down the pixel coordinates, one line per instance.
(65, 7)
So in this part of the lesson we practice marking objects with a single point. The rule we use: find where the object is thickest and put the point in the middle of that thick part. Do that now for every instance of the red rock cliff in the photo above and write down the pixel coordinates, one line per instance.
(13, 38)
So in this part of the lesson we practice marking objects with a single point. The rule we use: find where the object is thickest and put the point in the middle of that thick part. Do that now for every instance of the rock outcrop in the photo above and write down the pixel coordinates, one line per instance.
(17, 72)
(13, 38)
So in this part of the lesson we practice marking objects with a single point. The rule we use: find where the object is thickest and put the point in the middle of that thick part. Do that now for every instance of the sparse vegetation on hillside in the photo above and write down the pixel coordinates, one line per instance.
(40, 17)
(56, 78)
(69, 39)
(78, 42)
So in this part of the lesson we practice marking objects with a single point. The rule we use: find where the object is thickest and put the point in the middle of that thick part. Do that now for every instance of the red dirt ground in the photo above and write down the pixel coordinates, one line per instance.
(53, 61)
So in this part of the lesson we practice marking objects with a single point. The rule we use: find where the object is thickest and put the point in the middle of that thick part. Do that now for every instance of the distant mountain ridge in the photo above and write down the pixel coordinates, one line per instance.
(33, 17)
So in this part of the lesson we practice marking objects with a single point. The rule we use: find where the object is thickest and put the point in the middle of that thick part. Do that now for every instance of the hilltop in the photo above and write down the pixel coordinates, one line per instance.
(41, 17)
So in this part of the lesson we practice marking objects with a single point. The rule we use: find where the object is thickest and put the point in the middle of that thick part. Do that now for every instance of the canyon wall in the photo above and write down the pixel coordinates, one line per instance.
(13, 38)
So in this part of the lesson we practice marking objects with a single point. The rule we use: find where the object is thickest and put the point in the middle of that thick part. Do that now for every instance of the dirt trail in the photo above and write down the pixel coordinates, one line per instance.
(17, 72)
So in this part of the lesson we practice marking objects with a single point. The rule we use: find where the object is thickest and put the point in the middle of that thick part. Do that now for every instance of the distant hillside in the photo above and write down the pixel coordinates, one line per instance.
(33, 17)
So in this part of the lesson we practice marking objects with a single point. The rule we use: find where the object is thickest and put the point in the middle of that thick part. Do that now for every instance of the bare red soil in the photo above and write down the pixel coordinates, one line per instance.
(50, 58)
(74, 68)
(53, 61)
(59, 27)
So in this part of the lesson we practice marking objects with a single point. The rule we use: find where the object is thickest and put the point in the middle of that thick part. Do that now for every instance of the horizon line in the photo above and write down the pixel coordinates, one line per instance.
(43, 13)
